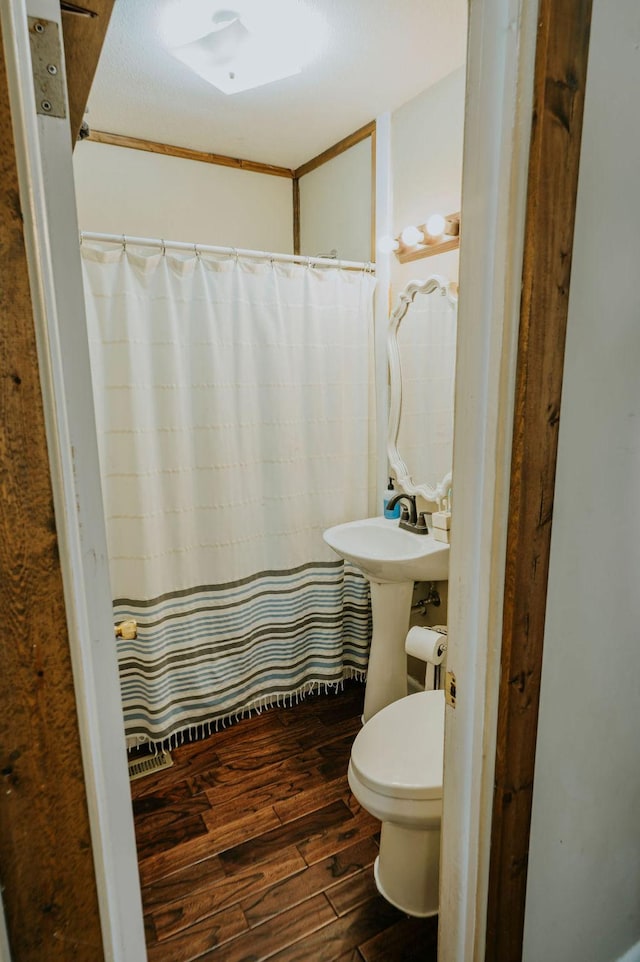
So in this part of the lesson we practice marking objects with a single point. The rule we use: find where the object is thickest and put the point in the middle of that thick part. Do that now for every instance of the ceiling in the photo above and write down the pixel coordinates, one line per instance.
(377, 55)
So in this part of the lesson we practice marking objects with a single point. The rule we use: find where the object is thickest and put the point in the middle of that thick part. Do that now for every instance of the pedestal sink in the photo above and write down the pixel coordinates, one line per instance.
(391, 559)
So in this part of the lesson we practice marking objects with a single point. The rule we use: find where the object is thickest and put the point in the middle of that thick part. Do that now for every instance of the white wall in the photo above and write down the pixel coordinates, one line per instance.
(335, 206)
(123, 191)
(427, 135)
(583, 896)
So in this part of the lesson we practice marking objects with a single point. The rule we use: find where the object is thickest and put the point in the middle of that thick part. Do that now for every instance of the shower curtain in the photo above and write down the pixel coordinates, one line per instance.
(234, 405)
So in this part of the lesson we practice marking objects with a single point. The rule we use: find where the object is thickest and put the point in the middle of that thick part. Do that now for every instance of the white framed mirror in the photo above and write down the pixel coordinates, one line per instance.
(421, 348)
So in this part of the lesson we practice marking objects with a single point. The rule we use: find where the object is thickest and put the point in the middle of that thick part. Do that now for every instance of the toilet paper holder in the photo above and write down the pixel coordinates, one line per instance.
(428, 644)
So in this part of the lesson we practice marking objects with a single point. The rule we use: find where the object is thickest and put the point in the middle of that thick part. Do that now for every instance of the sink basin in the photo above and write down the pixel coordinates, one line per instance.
(385, 552)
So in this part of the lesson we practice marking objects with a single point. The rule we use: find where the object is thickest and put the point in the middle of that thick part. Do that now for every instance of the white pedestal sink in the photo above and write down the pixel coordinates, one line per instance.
(391, 559)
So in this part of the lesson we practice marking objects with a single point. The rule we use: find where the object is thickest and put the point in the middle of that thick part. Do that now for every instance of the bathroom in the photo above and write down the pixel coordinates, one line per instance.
(582, 870)
(411, 164)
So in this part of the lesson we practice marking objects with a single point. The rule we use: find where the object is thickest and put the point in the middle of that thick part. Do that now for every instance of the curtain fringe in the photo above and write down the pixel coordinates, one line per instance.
(276, 699)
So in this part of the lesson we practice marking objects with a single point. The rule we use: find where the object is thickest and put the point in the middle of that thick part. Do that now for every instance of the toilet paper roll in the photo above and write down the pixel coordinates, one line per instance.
(427, 645)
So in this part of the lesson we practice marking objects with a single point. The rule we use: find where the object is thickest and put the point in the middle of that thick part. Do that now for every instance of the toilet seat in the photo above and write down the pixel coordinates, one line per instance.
(399, 752)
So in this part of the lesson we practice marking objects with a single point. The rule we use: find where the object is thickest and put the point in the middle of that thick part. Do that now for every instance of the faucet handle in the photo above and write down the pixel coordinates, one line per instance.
(421, 524)
(404, 513)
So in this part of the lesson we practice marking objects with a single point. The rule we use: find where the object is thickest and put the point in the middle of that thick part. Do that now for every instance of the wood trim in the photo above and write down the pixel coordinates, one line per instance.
(186, 153)
(355, 138)
(296, 215)
(48, 878)
(83, 39)
(559, 90)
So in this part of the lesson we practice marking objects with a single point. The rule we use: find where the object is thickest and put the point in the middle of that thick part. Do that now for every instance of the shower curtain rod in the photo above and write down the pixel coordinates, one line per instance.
(231, 251)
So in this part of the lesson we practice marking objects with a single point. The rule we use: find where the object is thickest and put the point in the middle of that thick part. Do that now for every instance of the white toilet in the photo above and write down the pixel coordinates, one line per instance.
(395, 772)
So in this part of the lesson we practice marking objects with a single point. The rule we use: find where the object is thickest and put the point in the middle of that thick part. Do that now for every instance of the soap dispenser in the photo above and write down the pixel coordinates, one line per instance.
(388, 495)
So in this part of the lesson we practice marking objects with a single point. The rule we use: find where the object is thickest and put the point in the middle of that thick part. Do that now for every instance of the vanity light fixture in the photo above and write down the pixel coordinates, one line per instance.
(439, 234)
(435, 226)
(388, 244)
(411, 236)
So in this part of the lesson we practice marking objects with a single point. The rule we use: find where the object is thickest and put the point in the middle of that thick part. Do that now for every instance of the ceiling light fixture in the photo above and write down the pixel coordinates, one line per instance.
(244, 47)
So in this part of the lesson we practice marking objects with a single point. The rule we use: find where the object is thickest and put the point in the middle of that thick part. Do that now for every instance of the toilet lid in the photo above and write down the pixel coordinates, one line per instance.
(399, 751)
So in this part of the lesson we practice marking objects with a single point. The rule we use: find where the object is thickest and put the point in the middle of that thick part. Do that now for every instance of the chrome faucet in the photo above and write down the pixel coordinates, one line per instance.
(410, 520)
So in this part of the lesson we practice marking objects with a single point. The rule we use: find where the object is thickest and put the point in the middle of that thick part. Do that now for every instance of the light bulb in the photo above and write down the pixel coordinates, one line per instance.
(435, 225)
(411, 236)
(387, 244)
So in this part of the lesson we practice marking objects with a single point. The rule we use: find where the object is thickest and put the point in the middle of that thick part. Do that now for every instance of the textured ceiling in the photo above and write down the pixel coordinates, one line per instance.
(378, 54)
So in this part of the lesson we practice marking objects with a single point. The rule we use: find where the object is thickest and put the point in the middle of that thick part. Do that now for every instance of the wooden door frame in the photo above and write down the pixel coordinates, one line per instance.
(84, 37)
(559, 92)
(526, 67)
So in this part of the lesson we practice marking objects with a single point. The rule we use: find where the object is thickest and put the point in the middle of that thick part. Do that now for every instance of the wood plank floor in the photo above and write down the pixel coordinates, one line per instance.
(252, 847)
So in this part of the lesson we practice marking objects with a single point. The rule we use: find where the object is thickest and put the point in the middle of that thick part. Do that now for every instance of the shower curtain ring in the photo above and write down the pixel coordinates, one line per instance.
(163, 247)
(196, 251)
(124, 244)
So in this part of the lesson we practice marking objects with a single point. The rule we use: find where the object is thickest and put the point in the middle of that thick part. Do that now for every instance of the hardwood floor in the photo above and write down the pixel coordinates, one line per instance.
(252, 847)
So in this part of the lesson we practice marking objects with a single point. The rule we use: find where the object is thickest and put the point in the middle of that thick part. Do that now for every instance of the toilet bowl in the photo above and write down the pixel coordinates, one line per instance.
(395, 773)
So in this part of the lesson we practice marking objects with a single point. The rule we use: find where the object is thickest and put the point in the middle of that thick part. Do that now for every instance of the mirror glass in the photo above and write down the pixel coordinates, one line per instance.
(422, 357)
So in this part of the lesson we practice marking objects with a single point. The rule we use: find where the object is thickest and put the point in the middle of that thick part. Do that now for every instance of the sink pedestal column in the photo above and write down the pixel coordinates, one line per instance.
(387, 671)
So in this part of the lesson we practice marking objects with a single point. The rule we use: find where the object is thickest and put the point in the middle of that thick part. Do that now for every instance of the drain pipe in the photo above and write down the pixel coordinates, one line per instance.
(432, 598)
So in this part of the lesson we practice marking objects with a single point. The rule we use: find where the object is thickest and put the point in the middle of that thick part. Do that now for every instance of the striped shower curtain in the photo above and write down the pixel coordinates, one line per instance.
(234, 403)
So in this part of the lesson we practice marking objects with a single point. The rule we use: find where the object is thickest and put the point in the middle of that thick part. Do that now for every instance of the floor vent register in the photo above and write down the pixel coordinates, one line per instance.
(139, 767)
